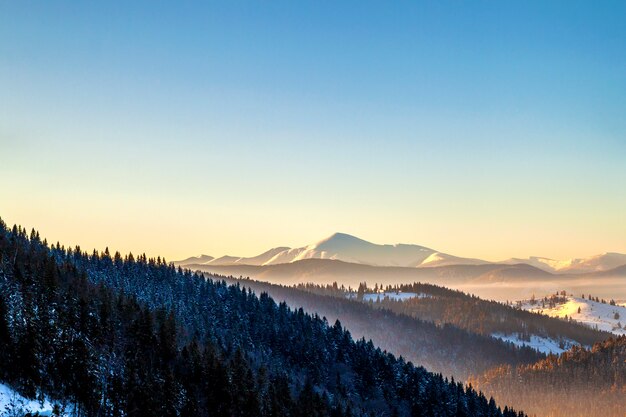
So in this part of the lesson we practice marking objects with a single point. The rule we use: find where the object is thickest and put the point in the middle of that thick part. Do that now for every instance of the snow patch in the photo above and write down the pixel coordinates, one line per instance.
(610, 318)
(12, 403)
(391, 295)
(443, 259)
(542, 344)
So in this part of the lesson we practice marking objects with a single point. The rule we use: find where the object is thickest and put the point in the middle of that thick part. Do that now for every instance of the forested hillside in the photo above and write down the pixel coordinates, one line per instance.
(445, 306)
(579, 383)
(443, 348)
(104, 335)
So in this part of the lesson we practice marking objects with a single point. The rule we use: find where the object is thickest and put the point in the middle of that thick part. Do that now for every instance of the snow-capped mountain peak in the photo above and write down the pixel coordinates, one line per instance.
(349, 248)
(443, 259)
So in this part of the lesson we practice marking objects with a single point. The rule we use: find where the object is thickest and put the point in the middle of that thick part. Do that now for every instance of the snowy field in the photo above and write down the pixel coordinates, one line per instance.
(594, 314)
(397, 296)
(392, 295)
(13, 404)
(542, 344)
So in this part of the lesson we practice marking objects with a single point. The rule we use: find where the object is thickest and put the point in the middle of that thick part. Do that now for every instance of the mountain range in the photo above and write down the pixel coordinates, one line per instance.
(351, 249)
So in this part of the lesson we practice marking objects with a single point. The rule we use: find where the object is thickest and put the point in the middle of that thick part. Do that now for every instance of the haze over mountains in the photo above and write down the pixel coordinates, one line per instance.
(349, 260)
(597, 263)
(351, 249)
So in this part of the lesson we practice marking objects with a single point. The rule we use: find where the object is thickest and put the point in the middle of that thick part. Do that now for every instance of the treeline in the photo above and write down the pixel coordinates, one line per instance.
(469, 312)
(581, 382)
(547, 301)
(104, 335)
(599, 300)
(442, 348)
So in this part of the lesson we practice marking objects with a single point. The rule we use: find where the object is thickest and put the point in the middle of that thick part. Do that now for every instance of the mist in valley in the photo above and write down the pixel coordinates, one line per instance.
(608, 288)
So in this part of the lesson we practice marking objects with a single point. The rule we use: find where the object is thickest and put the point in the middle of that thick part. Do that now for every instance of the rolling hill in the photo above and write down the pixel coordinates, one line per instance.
(579, 383)
(595, 314)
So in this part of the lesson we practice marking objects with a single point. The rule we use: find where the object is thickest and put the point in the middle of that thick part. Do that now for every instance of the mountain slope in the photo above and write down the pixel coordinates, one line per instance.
(134, 336)
(347, 248)
(581, 382)
(595, 314)
(597, 263)
(255, 260)
(619, 271)
(444, 306)
(443, 259)
(441, 347)
(513, 273)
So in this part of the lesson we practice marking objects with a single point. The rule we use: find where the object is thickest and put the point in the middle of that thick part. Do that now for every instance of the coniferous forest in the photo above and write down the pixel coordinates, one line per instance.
(579, 383)
(105, 335)
(440, 347)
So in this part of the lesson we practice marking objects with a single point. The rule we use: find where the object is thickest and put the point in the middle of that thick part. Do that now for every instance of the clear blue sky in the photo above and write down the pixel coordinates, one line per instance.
(488, 129)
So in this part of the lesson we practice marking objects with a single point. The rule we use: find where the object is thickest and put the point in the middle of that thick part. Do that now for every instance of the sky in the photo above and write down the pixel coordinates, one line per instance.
(482, 129)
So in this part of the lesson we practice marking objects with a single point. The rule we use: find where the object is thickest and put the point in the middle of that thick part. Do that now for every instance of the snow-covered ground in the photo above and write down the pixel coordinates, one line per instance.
(392, 295)
(542, 344)
(594, 314)
(397, 296)
(13, 404)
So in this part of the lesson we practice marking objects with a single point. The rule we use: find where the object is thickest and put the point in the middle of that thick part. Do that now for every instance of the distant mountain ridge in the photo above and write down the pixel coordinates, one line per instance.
(597, 263)
(351, 249)
(258, 260)
(342, 247)
(199, 260)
